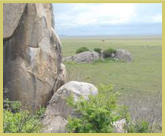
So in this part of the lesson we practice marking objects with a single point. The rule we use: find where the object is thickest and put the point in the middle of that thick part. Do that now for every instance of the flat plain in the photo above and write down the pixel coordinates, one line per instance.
(139, 82)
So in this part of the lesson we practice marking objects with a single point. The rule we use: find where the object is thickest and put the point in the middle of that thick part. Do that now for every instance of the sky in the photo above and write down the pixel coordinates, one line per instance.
(77, 19)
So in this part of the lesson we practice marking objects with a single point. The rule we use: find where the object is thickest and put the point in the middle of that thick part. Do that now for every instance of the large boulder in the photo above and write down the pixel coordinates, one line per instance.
(57, 111)
(32, 53)
(87, 57)
(123, 55)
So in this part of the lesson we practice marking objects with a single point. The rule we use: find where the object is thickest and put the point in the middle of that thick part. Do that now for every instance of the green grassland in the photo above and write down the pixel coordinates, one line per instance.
(139, 82)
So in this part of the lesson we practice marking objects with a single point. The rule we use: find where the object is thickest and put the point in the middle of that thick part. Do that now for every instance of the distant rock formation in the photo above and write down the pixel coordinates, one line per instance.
(32, 53)
(123, 55)
(91, 56)
(87, 57)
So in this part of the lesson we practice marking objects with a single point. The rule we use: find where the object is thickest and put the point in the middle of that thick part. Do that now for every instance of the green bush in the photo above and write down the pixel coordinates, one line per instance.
(108, 53)
(13, 106)
(16, 120)
(98, 50)
(81, 49)
(96, 115)
(21, 122)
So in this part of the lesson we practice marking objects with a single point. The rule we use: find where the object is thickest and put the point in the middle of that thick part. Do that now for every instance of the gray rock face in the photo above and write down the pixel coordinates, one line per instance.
(12, 15)
(57, 111)
(123, 55)
(32, 54)
(87, 56)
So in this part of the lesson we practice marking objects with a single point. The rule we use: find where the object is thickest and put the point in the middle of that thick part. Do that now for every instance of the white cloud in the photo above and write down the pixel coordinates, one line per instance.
(105, 18)
(91, 14)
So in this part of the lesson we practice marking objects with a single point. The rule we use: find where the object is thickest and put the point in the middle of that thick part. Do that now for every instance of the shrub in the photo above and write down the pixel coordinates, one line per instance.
(98, 50)
(108, 53)
(16, 120)
(81, 49)
(13, 106)
(21, 122)
(97, 114)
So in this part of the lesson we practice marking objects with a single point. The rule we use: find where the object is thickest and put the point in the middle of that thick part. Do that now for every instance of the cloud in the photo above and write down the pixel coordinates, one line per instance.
(92, 14)
(107, 18)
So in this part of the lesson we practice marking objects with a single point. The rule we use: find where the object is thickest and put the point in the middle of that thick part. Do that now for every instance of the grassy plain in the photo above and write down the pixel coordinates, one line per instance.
(139, 82)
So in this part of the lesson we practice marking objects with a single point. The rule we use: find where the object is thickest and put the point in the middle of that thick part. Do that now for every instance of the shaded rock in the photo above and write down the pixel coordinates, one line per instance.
(61, 77)
(87, 57)
(57, 111)
(32, 53)
(123, 55)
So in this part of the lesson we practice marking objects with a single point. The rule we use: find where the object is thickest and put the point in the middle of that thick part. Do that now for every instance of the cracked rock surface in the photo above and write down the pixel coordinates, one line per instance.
(32, 53)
